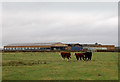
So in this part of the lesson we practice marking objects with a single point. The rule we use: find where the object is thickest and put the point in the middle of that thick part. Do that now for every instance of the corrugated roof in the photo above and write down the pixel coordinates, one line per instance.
(32, 44)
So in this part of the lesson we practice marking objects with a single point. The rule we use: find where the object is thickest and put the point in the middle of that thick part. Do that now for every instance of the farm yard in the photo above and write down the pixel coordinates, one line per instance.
(50, 66)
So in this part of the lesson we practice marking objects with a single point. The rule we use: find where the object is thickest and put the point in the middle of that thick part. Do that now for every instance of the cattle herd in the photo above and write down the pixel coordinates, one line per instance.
(84, 56)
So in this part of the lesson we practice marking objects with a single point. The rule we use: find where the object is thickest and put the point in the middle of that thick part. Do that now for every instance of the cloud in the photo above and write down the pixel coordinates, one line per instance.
(41, 25)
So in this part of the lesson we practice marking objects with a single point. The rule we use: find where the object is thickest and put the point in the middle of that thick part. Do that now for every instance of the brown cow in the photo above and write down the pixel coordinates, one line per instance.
(66, 55)
(79, 55)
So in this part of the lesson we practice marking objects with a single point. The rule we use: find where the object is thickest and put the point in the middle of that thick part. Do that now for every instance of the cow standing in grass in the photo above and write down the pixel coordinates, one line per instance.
(65, 55)
(85, 55)
(88, 55)
(79, 56)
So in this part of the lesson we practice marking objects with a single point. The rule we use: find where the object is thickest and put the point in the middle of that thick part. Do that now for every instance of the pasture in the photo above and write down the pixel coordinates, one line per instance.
(50, 66)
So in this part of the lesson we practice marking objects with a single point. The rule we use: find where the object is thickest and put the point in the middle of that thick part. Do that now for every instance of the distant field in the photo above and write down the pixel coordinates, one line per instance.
(50, 66)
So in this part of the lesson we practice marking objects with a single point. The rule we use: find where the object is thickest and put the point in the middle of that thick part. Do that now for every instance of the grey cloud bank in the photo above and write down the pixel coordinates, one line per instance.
(64, 22)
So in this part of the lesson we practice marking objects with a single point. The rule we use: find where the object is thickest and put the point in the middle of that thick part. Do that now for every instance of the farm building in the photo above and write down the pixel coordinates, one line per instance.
(117, 49)
(103, 47)
(75, 47)
(57, 46)
(98, 47)
(35, 47)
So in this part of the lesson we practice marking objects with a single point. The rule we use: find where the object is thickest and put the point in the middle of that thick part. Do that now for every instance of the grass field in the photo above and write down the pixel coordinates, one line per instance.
(50, 66)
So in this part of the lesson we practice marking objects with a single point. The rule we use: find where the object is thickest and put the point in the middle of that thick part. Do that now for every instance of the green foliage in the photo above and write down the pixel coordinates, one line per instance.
(50, 66)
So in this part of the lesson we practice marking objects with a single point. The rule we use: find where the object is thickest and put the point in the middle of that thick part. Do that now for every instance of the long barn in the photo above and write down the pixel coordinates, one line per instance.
(35, 47)
(57, 46)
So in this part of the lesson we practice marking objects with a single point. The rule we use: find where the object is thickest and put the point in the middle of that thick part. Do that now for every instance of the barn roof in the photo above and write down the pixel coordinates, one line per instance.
(32, 44)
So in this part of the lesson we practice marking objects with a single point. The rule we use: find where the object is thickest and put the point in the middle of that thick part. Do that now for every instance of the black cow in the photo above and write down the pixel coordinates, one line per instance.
(88, 55)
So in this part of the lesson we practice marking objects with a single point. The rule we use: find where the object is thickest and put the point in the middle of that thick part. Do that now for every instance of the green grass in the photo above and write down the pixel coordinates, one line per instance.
(50, 66)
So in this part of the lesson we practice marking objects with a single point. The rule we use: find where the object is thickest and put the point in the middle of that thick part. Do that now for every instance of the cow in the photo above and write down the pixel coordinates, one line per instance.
(88, 55)
(79, 55)
(65, 55)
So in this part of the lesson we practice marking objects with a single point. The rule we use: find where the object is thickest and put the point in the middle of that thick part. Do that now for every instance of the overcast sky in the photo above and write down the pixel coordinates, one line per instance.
(34, 22)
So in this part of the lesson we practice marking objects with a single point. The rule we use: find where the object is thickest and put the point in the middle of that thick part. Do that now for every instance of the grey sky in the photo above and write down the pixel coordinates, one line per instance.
(29, 22)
